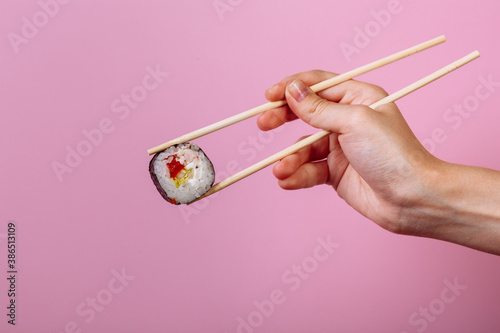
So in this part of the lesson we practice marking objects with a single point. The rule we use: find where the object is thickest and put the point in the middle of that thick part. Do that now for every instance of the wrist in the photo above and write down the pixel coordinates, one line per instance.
(459, 204)
(425, 212)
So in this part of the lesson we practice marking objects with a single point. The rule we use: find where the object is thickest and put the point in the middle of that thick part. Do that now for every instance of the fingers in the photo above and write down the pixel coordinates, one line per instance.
(318, 112)
(277, 92)
(348, 92)
(354, 92)
(290, 164)
(307, 175)
(274, 118)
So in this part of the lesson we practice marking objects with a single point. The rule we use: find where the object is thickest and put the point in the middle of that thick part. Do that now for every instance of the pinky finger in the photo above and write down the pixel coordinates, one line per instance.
(308, 175)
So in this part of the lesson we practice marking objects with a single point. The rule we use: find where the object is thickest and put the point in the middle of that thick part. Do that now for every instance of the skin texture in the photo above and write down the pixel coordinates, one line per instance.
(377, 165)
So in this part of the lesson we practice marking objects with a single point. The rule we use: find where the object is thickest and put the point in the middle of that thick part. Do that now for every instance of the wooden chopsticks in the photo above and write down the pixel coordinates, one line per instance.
(318, 136)
(316, 88)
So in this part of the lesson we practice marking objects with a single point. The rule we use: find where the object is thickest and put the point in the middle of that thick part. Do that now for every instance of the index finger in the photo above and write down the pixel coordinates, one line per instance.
(274, 118)
(277, 91)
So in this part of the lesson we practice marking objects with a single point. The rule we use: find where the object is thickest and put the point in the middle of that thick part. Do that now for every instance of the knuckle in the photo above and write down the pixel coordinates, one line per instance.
(288, 79)
(373, 90)
(317, 73)
(360, 115)
(318, 108)
(378, 91)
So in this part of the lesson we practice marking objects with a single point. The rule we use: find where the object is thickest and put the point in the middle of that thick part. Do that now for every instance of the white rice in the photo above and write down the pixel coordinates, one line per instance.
(200, 178)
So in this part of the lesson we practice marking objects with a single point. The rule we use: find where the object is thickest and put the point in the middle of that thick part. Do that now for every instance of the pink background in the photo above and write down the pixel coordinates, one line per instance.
(201, 269)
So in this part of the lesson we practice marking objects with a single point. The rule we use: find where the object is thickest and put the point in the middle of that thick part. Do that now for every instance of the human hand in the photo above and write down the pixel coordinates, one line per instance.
(372, 158)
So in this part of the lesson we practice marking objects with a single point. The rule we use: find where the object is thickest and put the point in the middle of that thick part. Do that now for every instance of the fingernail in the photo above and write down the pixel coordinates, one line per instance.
(298, 90)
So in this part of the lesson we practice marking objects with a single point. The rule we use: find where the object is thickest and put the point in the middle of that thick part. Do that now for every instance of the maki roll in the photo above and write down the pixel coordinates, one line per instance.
(182, 173)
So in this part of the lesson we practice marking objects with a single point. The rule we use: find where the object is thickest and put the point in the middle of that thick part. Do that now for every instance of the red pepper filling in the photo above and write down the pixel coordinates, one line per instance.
(174, 167)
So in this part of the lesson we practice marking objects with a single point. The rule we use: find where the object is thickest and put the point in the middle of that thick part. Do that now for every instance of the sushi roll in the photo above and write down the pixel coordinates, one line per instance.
(182, 173)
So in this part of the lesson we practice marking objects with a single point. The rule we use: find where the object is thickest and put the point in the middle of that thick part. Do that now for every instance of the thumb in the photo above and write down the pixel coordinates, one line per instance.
(314, 110)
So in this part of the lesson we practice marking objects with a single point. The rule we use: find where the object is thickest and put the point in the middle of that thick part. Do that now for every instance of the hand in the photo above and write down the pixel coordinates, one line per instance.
(372, 158)
(377, 165)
